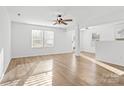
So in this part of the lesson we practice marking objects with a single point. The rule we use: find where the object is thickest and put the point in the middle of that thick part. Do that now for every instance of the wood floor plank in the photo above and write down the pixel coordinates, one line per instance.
(59, 70)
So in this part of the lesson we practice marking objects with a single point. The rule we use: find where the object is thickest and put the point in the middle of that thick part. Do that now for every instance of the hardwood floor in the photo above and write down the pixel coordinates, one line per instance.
(58, 70)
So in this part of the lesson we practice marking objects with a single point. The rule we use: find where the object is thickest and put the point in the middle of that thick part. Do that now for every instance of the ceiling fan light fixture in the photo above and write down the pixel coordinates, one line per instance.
(60, 20)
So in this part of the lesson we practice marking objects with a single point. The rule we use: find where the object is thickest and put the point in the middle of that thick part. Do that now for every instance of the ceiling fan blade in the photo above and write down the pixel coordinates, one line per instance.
(55, 23)
(54, 20)
(63, 23)
(67, 20)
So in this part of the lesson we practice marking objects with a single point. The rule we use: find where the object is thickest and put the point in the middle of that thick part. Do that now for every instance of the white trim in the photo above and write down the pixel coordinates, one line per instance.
(44, 54)
(1, 77)
(4, 71)
(44, 26)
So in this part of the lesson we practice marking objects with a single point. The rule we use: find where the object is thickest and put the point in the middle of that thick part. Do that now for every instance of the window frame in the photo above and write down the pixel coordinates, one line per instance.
(52, 39)
(39, 39)
(43, 39)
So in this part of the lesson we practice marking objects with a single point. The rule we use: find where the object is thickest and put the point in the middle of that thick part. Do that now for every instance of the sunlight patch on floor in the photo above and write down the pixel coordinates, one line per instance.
(43, 79)
(108, 67)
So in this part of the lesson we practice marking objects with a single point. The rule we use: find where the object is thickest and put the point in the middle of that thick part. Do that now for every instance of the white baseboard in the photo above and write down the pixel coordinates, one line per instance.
(87, 51)
(4, 71)
(1, 77)
(43, 54)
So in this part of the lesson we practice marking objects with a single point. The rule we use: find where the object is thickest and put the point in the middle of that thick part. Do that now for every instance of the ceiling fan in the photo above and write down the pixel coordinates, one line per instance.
(60, 20)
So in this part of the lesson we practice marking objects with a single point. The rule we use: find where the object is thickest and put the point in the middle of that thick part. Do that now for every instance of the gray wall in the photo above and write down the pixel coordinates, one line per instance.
(110, 51)
(21, 40)
(5, 38)
(106, 34)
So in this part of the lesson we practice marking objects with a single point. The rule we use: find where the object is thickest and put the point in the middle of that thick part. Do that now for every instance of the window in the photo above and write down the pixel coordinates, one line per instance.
(48, 39)
(37, 38)
(42, 39)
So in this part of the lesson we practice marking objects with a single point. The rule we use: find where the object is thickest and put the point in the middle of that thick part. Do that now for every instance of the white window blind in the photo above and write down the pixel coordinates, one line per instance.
(37, 38)
(42, 39)
(48, 38)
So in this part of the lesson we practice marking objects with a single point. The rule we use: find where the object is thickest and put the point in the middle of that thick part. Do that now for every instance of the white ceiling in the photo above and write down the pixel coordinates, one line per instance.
(84, 15)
